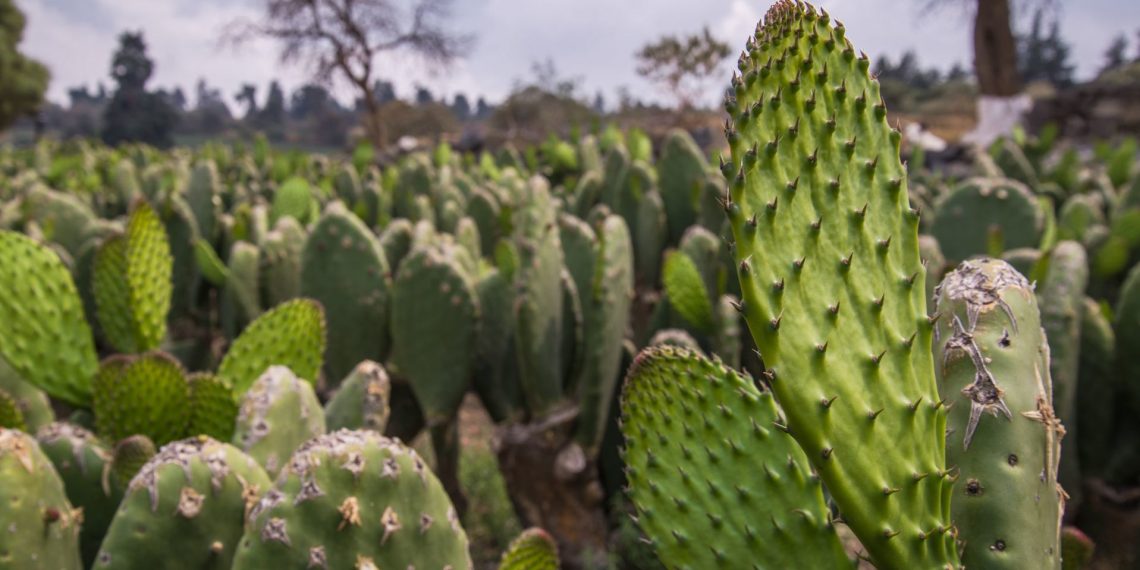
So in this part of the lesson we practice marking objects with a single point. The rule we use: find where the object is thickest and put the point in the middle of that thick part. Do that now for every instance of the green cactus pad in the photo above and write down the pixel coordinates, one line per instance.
(64, 217)
(362, 401)
(714, 477)
(212, 407)
(1099, 383)
(146, 395)
(534, 549)
(185, 509)
(131, 455)
(833, 288)
(241, 297)
(681, 170)
(496, 368)
(149, 267)
(1127, 327)
(277, 415)
(649, 241)
(344, 268)
(606, 323)
(83, 464)
(396, 242)
(686, 290)
(43, 334)
(41, 529)
(202, 197)
(11, 417)
(209, 264)
(112, 295)
(675, 337)
(293, 199)
(434, 318)
(1002, 435)
(354, 499)
(32, 403)
(291, 334)
(280, 271)
(538, 308)
(981, 211)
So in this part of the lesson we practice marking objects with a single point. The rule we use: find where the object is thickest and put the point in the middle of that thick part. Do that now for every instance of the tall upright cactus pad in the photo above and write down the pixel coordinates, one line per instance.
(185, 509)
(434, 322)
(579, 252)
(715, 478)
(1099, 383)
(1061, 297)
(538, 308)
(83, 464)
(213, 410)
(41, 529)
(606, 323)
(43, 334)
(534, 549)
(292, 334)
(496, 368)
(182, 232)
(363, 400)
(483, 207)
(132, 283)
(202, 196)
(982, 212)
(280, 271)
(354, 499)
(146, 395)
(63, 217)
(277, 415)
(834, 294)
(1127, 328)
(651, 237)
(1003, 437)
(344, 268)
(681, 170)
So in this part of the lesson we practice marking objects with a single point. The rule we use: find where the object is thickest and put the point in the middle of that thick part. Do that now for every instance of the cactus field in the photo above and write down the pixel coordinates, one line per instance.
(803, 348)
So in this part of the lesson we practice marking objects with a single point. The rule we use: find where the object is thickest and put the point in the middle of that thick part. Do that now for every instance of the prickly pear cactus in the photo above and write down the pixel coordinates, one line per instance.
(185, 509)
(277, 415)
(43, 334)
(291, 334)
(712, 472)
(10, 415)
(31, 402)
(434, 320)
(131, 455)
(1002, 435)
(83, 464)
(41, 529)
(686, 291)
(534, 549)
(985, 211)
(1099, 383)
(280, 271)
(833, 288)
(362, 401)
(606, 322)
(345, 270)
(145, 395)
(354, 499)
(212, 407)
(681, 170)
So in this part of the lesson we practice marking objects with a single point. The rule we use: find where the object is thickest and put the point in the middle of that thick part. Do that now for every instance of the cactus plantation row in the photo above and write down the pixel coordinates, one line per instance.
(212, 358)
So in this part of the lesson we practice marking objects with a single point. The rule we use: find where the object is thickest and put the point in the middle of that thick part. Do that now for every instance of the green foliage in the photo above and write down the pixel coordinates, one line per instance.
(25, 79)
(145, 395)
(134, 114)
(534, 549)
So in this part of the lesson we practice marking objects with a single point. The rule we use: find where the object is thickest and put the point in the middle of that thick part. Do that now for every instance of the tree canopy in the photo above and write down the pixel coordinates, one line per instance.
(24, 80)
(679, 64)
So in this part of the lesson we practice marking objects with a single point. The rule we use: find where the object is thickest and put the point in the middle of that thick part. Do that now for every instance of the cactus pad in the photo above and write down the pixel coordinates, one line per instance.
(534, 549)
(43, 334)
(354, 499)
(145, 395)
(277, 415)
(41, 529)
(714, 477)
(362, 401)
(291, 334)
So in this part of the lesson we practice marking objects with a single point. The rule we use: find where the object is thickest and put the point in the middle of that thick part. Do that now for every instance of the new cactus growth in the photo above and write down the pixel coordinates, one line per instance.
(291, 334)
(277, 415)
(41, 529)
(344, 268)
(354, 499)
(714, 475)
(130, 456)
(1002, 434)
(534, 549)
(833, 288)
(185, 508)
(145, 395)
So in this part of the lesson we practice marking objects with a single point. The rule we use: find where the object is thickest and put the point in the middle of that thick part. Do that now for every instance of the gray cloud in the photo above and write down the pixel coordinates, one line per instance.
(591, 39)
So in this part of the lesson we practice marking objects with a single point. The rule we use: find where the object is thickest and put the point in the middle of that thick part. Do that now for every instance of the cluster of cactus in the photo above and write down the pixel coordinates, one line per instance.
(226, 292)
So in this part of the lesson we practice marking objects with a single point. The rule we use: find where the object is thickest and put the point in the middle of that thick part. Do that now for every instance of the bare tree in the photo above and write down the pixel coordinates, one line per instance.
(342, 38)
(680, 64)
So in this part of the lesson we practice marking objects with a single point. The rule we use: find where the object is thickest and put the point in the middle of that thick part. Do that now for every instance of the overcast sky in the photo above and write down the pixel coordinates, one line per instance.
(591, 39)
